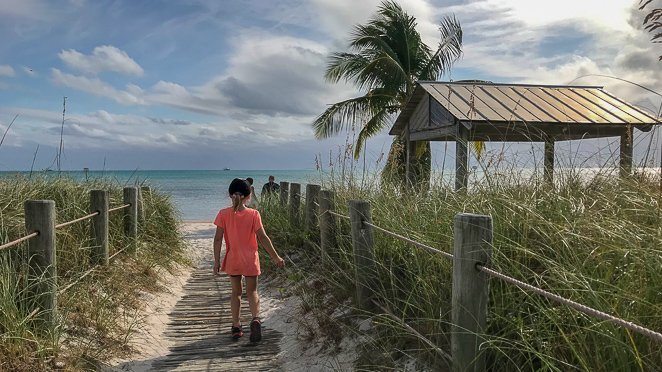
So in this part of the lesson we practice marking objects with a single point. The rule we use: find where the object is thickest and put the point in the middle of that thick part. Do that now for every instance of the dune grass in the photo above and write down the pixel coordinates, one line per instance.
(97, 315)
(594, 240)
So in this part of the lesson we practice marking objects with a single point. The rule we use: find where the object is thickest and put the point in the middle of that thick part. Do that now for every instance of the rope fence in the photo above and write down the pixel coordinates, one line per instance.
(575, 305)
(77, 220)
(339, 215)
(410, 241)
(19, 240)
(40, 216)
(59, 226)
(120, 207)
(88, 272)
(471, 252)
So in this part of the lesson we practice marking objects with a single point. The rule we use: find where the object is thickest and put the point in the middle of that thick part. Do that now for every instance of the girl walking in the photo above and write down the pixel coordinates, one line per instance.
(242, 228)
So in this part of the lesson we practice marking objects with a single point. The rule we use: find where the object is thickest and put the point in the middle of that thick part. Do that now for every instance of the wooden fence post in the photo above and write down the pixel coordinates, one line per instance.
(472, 245)
(364, 257)
(312, 202)
(42, 272)
(131, 216)
(99, 227)
(295, 202)
(284, 193)
(327, 221)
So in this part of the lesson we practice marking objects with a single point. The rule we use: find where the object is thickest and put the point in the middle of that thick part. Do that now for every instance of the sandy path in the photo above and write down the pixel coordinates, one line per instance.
(292, 349)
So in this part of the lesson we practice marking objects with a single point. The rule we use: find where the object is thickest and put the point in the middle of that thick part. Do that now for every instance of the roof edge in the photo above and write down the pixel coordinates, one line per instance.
(510, 84)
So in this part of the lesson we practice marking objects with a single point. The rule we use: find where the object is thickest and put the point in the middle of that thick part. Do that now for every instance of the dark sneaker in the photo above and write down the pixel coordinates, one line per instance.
(256, 330)
(237, 332)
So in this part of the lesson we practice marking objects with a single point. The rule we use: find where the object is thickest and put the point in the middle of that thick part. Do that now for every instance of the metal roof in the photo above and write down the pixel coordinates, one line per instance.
(526, 103)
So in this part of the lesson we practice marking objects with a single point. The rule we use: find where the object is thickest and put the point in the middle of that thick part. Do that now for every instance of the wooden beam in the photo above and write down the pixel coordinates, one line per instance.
(461, 158)
(428, 135)
(549, 161)
(626, 152)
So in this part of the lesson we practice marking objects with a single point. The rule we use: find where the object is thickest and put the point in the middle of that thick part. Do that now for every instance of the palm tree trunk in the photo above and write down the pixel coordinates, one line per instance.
(394, 173)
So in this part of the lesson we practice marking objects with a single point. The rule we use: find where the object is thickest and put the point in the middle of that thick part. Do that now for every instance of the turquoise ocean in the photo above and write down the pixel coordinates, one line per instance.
(197, 194)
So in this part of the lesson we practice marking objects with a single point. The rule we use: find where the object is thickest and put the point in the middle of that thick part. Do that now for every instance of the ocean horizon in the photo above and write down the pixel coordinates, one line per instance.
(197, 194)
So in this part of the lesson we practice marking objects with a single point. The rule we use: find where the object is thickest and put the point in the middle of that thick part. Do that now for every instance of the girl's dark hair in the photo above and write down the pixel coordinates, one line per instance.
(249, 180)
(241, 187)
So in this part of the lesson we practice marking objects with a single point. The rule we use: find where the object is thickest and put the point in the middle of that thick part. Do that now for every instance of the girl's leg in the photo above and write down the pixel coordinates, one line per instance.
(253, 298)
(235, 299)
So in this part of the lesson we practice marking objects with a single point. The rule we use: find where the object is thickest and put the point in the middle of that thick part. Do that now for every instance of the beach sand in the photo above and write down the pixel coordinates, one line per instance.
(281, 311)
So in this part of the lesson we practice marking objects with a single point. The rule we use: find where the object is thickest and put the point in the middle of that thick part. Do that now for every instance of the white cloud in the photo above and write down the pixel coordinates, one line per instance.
(103, 58)
(545, 42)
(6, 70)
(338, 17)
(95, 86)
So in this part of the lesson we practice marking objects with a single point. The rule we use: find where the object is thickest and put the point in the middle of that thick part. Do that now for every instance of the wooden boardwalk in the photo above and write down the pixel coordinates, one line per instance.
(199, 328)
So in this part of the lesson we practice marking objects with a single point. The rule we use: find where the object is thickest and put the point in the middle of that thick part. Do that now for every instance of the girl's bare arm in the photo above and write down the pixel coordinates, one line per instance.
(218, 242)
(269, 247)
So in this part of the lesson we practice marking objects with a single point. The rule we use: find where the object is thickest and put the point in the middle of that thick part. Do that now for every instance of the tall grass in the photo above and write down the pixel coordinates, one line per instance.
(595, 240)
(97, 315)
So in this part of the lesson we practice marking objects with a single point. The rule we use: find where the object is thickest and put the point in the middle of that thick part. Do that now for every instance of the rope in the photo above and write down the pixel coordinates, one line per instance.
(77, 220)
(338, 215)
(413, 242)
(118, 208)
(88, 272)
(412, 330)
(13, 243)
(577, 306)
(116, 253)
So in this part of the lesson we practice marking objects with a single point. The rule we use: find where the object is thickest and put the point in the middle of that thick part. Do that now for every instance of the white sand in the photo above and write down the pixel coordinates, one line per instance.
(281, 311)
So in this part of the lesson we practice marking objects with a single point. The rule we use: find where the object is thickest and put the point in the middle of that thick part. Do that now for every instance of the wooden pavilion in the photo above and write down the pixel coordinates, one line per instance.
(482, 111)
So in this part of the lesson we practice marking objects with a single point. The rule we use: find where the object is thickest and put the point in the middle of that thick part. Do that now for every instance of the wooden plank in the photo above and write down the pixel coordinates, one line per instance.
(429, 135)
(199, 329)
(420, 117)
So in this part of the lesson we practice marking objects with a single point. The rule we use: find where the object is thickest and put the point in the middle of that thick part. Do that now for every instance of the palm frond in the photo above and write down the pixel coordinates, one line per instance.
(370, 128)
(341, 115)
(448, 50)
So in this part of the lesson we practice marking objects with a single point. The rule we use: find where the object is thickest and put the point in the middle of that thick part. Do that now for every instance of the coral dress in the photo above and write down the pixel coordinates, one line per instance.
(239, 230)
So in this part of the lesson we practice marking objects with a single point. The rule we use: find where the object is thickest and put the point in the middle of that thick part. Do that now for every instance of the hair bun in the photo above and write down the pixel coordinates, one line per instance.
(239, 186)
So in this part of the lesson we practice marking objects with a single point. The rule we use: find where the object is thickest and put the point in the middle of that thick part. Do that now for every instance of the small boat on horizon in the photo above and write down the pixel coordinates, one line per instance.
(226, 169)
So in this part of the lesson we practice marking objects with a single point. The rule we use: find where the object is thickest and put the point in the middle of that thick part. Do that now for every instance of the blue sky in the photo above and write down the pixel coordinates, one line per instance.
(202, 84)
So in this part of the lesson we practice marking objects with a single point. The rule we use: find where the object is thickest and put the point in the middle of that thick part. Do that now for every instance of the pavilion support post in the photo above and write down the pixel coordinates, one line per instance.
(626, 152)
(549, 161)
(461, 158)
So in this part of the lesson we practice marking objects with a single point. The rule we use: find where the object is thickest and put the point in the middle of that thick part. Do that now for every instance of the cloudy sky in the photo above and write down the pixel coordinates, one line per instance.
(206, 84)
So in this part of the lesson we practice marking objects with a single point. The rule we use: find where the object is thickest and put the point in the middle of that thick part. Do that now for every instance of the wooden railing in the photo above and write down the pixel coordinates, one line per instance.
(472, 248)
(40, 216)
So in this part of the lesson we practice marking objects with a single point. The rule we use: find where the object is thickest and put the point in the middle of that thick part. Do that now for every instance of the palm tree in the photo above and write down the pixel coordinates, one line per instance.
(652, 22)
(385, 59)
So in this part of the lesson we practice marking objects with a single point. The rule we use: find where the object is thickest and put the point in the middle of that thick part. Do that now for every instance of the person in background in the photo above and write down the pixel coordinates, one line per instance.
(252, 202)
(242, 229)
(270, 187)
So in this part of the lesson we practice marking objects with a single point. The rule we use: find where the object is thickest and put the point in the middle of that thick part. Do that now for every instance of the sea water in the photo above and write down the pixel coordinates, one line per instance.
(197, 194)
